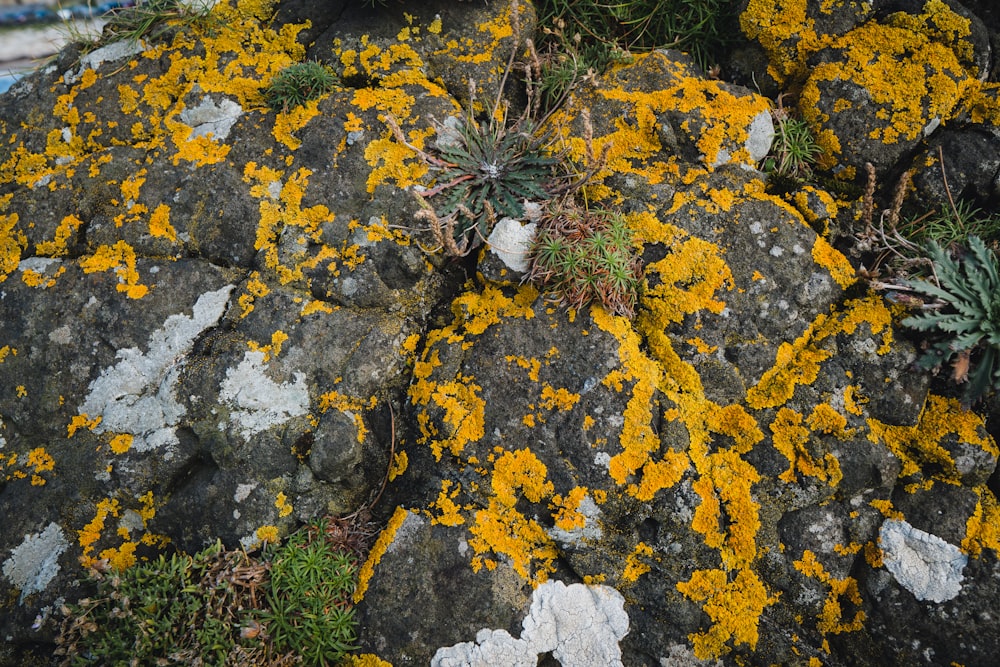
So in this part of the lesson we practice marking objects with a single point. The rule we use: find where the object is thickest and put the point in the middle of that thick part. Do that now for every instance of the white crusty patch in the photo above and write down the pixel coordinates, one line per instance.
(511, 241)
(108, 53)
(34, 563)
(136, 395)
(579, 625)
(210, 119)
(922, 563)
(259, 401)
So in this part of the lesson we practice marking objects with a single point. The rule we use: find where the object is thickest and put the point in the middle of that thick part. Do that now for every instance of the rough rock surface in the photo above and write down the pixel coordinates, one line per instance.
(217, 321)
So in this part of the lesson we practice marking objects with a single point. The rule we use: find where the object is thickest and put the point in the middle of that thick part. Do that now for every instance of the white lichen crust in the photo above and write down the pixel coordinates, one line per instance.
(579, 625)
(922, 563)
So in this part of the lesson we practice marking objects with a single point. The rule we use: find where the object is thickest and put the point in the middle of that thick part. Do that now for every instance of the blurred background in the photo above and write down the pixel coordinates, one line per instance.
(32, 32)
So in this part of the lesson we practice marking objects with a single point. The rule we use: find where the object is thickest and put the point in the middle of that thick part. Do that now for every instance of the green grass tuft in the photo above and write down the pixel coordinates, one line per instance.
(299, 83)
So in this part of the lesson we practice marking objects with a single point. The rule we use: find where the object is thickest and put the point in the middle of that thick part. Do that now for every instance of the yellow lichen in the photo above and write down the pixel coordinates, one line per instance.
(833, 261)
(268, 534)
(920, 445)
(634, 565)
(121, 443)
(378, 550)
(733, 603)
(283, 506)
(448, 513)
(983, 527)
(121, 259)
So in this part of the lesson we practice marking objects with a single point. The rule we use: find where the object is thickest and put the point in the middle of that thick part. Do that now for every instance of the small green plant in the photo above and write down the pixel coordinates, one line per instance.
(486, 168)
(297, 84)
(794, 149)
(565, 61)
(173, 610)
(964, 315)
(289, 605)
(951, 224)
(147, 19)
(487, 173)
(310, 611)
(702, 28)
(580, 256)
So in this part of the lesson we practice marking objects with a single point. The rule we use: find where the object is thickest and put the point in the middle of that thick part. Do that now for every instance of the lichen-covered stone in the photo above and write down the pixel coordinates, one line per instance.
(217, 321)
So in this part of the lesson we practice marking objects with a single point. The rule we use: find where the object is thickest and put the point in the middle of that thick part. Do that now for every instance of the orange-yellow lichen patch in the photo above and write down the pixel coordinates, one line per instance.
(558, 399)
(502, 530)
(982, 103)
(400, 461)
(982, 530)
(81, 421)
(288, 122)
(825, 419)
(39, 461)
(903, 71)
(255, 288)
(833, 261)
(854, 399)
(159, 224)
(831, 618)
(727, 516)
(36, 462)
(12, 242)
(283, 506)
(124, 555)
(884, 505)
(567, 514)
(726, 115)
(792, 439)
(378, 550)
(278, 338)
(268, 534)
(57, 246)
(121, 443)
(91, 533)
(691, 275)
(941, 23)
(920, 445)
(350, 406)
(483, 49)
(477, 312)
(733, 603)
(448, 513)
(280, 210)
(785, 32)
(635, 565)
(463, 409)
(520, 472)
(121, 259)
(532, 365)
(365, 660)
(799, 362)
(638, 440)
